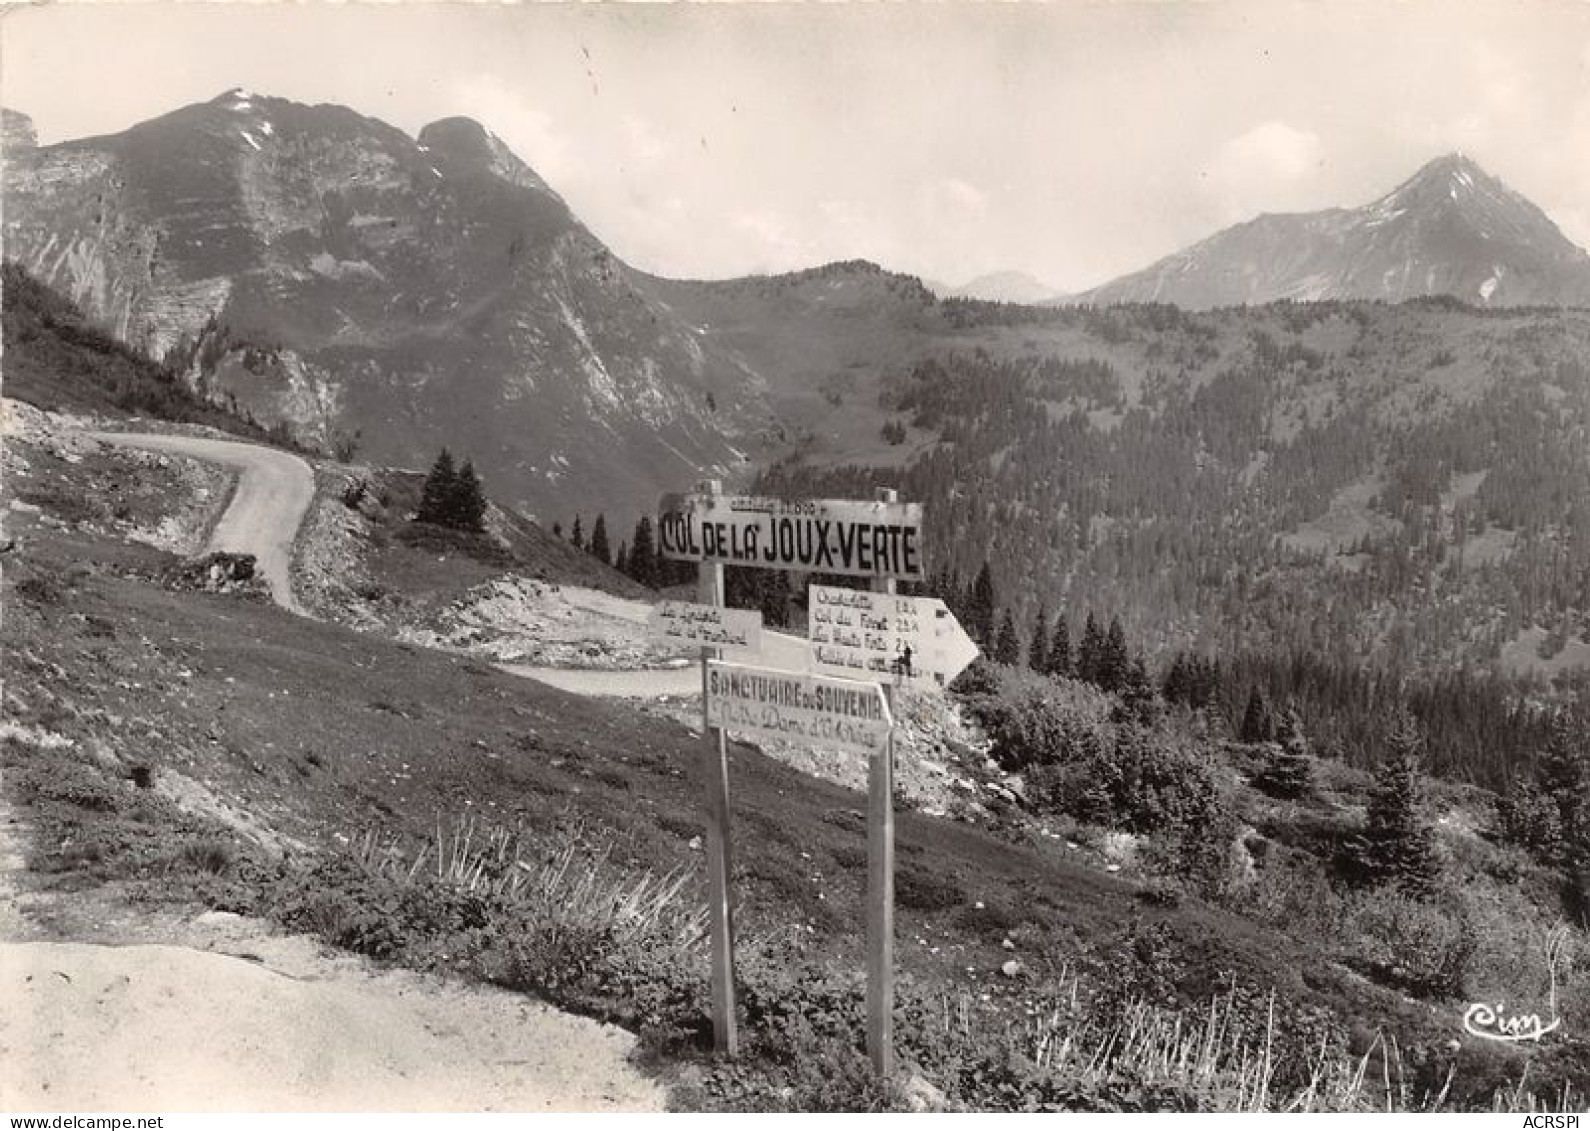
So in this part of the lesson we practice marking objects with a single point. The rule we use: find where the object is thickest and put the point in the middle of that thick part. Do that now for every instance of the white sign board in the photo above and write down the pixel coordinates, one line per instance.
(737, 631)
(913, 640)
(854, 539)
(841, 714)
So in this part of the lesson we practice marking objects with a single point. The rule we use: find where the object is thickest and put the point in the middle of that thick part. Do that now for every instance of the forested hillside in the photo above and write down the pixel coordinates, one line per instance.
(1397, 488)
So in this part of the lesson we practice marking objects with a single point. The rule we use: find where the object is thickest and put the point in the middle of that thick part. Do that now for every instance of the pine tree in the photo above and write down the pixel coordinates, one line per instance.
(577, 536)
(1139, 703)
(1257, 725)
(1177, 687)
(1090, 651)
(557, 530)
(1564, 778)
(1287, 771)
(643, 554)
(436, 494)
(1058, 657)
(1397, 847)
(1007, 645)
(1116, 660)
(1038, 649)
(980, 610)
(466, 504)
(599, 549)
(621, 559)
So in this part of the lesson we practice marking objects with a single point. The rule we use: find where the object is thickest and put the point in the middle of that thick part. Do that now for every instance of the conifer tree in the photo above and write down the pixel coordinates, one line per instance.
(643, 554)
(1286, 771)
(1007, 645)
(466, 504)
(1397, 847)
(436, 494)
(1139, 703)
(1090, 651)
(1038, 649)
(1057, 659)
(621, 559)
(577, 536)
(980, 609)
(599, 549)
(1115, 660)
(1257, 724)
(1564, 777)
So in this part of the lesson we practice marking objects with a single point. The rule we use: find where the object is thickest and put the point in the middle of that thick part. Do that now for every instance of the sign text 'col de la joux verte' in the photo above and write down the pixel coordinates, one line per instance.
(855, 539)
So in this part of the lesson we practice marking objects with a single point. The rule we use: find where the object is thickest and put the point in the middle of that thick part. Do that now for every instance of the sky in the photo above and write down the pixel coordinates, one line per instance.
(1073, 141)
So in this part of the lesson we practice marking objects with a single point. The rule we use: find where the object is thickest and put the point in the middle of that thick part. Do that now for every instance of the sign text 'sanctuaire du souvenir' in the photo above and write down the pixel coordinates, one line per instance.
(842, 714)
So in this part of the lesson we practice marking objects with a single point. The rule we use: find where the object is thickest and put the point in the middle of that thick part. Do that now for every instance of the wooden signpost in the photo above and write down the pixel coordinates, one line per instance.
(881, 540)
(715, 761)
(880, 885)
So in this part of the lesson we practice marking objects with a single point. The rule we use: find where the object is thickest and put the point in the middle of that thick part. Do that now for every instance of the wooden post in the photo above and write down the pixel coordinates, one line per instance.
(715, 764)
(880, 883)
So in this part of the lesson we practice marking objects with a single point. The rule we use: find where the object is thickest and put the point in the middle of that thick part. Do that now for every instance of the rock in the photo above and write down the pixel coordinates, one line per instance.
(1010, 969)
(1008, 944)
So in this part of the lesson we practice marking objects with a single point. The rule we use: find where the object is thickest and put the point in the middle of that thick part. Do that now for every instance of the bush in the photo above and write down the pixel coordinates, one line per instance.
(1530, 819)
(1036, 721)
(1421, 947)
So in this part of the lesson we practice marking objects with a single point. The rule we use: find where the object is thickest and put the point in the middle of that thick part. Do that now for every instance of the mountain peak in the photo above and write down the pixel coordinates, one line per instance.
(465, 145)
(1450, 171)
(1451, 228)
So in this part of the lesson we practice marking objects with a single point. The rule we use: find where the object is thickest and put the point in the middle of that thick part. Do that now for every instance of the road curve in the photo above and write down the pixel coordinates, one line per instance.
(274, 490)
(786, 653)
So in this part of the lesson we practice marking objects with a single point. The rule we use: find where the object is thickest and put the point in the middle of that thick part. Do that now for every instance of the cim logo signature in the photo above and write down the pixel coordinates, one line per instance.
(1490, 1022)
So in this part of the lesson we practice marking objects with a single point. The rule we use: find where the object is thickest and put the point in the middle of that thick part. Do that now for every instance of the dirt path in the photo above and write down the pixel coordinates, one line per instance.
(220, 1013)
(169, 1028)
(787, 653)
(274, 491)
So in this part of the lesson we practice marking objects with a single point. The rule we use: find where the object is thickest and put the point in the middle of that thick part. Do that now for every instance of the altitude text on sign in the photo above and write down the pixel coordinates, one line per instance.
(854, 539)
(843, 714)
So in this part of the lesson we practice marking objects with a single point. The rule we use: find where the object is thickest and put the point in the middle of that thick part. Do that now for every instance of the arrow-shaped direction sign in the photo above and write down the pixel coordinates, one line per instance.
(736, 631)
(911, 640)
(841, 714)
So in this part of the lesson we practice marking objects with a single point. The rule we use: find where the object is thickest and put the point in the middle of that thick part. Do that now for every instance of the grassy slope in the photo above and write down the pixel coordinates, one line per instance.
(320, 732)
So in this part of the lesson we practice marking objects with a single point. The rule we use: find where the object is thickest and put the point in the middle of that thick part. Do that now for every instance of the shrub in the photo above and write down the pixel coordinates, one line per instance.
(1035, 721)
(1530, 819)
(1422, 947)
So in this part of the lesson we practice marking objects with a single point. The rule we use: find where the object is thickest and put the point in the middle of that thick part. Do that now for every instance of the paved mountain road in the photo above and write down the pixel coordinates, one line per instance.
(274, 490)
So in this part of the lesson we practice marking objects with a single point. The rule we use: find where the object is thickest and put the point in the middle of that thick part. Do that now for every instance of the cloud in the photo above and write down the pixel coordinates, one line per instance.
(530, 132)
(952, 198)
(1263, 169)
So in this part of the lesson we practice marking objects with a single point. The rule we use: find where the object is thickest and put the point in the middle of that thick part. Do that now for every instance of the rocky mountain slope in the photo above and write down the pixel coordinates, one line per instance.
(323, 268)
(1451, 229)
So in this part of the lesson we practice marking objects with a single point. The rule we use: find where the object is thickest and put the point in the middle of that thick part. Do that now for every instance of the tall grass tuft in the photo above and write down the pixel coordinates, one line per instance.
(570, 886)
